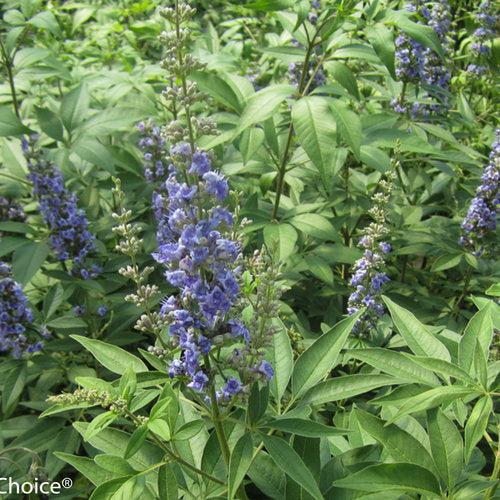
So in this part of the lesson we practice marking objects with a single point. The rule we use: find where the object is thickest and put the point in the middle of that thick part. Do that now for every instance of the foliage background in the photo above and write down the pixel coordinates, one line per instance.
(86, 72)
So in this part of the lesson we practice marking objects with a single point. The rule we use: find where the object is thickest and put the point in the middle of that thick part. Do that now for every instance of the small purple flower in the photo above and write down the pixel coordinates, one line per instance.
(102, 311)
(198, 382)
(266, 369)
(232, 387)
(79, 310)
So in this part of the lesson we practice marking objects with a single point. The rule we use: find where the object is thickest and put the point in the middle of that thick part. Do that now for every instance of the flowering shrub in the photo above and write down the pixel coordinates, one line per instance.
(248, 249)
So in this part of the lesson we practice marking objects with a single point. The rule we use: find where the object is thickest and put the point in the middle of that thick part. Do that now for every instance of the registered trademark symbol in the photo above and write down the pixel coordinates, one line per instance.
(67, 482)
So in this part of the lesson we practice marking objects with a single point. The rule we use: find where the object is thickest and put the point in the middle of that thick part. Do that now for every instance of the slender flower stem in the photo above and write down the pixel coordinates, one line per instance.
(284, 159)
(172, 454)
(10, 76)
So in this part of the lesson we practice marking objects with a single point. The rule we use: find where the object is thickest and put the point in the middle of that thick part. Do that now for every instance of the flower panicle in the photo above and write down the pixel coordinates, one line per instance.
(15, 317)
(130, 244)
(70, 237)
(481, 218)
(421, 65)
(368, 277)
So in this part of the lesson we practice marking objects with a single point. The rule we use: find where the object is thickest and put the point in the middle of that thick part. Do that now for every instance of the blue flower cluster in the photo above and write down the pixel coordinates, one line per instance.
(69, 235)
(11, 211)
(367, 282)
(483, 36)
(15, 316)
(481, 218)
(422, 66)
(316, 76)
(368, 276)
(152, 144)
(203, 261)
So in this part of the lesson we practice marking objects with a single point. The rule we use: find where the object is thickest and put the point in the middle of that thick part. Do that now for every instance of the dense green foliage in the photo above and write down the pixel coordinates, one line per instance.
(395, 404)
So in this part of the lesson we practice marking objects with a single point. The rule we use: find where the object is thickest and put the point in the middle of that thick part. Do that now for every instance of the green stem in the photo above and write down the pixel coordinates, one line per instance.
(219, 429)
(173, 455)
(10, 76)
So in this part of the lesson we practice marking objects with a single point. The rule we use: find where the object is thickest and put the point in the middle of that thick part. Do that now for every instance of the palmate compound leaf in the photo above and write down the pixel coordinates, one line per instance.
(316, 361)
(408, 478)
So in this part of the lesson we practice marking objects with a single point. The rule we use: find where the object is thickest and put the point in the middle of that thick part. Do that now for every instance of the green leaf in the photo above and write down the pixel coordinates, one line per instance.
(401, 445)
(114, 463)
(75, 106)
(319, 268)
(114, 358)
(270, 5)
(386, 477)
(136, 441)
(382, 42)
(396, 364)
(447, 261)
(280, 238)
(86, 466)
(281, 359)
(239, 463)
(99, 423)
(375, 158)
(494, 290)
(349, 126)
(262, 105)
(446, 446)
(189, 430)
(345, 387)
(443, 367)
(315, 127)
(109, 121)
(47, 21)
(67, 323)
(432, 398)
(344, 76)
(93, 151)
(218, 88)
(114, 442)
(321, 357)
(27, 260)
(289, 461)
(10, 123)
(479, 329)
(50, 123)
(476, 424)
(418, 338)
(250, 142)
(167, 483)
(314, 225)
(302, 427)
(12, 388)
